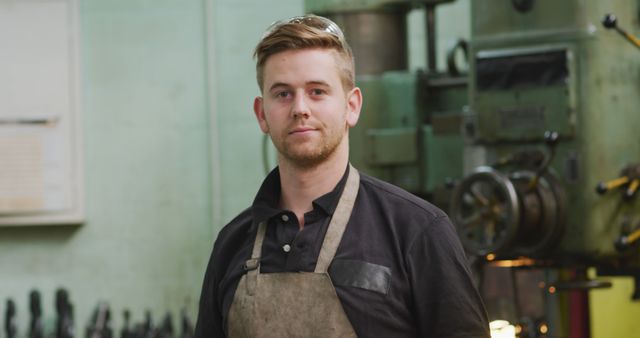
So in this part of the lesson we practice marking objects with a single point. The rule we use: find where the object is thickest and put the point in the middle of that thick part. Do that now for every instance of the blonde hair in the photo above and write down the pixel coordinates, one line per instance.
(306, 32)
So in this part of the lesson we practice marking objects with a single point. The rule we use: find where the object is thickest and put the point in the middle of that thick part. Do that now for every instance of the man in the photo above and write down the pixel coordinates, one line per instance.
(325, 251)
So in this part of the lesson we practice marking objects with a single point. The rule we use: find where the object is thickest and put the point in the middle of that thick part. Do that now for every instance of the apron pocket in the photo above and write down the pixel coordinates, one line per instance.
(359, 274)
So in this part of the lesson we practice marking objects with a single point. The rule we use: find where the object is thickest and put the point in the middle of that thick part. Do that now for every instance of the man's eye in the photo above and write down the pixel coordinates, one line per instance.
(283, 94)
(317, 91)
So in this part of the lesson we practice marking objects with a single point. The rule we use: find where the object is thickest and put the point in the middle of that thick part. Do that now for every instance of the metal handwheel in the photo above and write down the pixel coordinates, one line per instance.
(541, 216)
(516, 215)
(486, 211)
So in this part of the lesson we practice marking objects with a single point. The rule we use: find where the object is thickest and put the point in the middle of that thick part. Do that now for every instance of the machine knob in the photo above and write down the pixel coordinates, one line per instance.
(624, 242)
(450, 183)
(621, 244)
(601, 188)
(551, 137)
(609, 21)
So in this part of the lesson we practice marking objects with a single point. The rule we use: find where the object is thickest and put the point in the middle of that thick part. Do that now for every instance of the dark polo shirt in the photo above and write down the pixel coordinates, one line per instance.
(400, 270)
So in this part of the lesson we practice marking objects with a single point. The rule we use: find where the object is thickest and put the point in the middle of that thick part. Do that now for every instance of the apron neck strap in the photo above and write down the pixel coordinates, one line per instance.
(339, 221)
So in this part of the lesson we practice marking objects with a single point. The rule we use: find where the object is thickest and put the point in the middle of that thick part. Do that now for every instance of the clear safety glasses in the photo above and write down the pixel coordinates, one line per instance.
(308, 20)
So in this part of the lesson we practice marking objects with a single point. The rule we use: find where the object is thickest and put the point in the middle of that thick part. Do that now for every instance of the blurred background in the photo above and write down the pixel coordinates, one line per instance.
(127, 140)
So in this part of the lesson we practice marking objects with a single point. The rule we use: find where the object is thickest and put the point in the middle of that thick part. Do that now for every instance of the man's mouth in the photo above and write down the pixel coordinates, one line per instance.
(301, 130)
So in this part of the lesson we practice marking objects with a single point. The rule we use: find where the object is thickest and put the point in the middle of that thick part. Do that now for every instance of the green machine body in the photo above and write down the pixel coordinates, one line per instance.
(552, 146)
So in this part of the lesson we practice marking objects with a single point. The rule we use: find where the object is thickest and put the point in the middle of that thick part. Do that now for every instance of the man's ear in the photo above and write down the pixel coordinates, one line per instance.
(258, 109)
(354, 105)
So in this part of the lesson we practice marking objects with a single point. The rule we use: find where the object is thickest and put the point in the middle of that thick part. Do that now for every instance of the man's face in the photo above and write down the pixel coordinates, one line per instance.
(304, 107)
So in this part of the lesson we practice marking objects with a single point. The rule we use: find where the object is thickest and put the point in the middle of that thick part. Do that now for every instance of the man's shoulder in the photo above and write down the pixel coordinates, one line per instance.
(243, 218)
(236, 229)
(412, 219)
(398, 198)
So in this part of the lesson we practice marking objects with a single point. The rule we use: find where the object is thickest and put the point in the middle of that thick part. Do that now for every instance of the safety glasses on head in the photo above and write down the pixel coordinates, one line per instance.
(308, 20)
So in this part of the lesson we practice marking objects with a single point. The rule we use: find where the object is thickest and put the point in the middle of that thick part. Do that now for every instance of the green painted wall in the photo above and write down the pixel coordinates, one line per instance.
(146, 118)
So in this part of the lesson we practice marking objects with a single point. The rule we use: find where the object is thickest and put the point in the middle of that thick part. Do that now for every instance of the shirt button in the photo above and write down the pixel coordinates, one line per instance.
(285, 218)
(286, 248)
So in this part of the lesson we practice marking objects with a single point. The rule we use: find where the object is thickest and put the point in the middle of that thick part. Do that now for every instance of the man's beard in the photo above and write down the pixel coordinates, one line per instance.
(306, 156)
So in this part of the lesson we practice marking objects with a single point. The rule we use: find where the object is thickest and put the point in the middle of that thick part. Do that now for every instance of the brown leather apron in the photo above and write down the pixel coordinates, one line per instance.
(294, 304)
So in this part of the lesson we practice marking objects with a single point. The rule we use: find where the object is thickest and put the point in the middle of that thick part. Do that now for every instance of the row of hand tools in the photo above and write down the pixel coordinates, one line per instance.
(99, 325)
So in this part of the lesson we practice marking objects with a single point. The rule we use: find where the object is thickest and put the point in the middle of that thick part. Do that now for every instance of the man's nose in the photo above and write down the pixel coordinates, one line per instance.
(300, 108)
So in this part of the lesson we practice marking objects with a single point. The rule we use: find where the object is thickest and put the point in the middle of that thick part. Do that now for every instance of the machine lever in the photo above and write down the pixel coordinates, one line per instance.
(626, 241)
(551, 139)
(452, 66)
(603, 187)
(629, 180)
(633, 187)
(579, 285)
(610, 21)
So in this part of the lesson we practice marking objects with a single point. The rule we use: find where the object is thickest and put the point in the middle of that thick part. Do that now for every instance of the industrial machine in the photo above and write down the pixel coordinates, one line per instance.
(534, 152)
(553, 146)
(555, 116)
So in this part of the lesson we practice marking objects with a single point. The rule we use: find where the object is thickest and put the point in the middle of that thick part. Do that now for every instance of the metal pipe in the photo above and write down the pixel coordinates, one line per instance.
(431, 37)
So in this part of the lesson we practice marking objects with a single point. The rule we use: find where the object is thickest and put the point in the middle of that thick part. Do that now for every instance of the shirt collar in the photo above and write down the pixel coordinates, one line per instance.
(266, 203)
